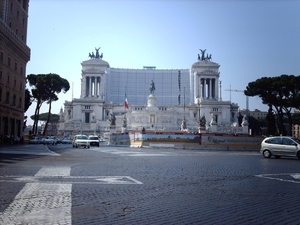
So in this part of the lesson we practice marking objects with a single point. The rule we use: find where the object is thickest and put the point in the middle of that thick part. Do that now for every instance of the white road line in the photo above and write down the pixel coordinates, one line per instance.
(286, 177)
(46, 197)
(41, 203)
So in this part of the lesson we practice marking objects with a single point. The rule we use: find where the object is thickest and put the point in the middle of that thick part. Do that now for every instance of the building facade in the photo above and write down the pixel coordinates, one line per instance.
(158, 99)
(14, 55)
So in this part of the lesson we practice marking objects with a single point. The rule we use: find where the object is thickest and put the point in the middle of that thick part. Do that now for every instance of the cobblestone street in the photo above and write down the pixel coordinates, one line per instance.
(108, 185)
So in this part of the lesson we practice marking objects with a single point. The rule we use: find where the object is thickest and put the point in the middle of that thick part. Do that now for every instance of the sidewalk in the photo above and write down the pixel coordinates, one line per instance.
(26, 149)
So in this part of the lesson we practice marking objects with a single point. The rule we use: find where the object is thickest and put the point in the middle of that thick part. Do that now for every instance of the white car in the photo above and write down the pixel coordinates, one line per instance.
(66, 141)
(94, 140)
(280, 146)
(34, 140)
(81, 141)
(50, 140)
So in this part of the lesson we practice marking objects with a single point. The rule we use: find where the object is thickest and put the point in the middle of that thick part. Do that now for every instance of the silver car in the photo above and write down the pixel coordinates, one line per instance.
(81, 141)
(280, 146)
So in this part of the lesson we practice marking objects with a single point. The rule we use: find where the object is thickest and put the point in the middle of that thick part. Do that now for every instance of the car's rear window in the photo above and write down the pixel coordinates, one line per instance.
(93, 138)
(82, 137)
(274, 140)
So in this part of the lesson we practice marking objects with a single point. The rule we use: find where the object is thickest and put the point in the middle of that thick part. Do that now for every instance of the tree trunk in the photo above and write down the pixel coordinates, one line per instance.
(48, 119)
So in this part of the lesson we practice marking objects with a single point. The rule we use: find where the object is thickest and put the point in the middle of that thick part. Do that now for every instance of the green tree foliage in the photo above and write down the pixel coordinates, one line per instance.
(45, 88)
(27, 104)
(271, 122)
(54, 118)
(37, 84)
(56, 84)
(280, 93)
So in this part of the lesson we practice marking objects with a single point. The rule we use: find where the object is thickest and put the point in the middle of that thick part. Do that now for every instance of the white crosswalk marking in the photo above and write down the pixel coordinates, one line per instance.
(41, 203)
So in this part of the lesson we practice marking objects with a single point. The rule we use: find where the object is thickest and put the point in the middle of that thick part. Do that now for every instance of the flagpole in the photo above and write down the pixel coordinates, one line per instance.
(184, 102)
(126, 101)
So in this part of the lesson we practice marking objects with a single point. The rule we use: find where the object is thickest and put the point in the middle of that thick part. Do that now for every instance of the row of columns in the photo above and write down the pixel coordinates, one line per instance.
(208, 88)
(92, 86)
(10, 126)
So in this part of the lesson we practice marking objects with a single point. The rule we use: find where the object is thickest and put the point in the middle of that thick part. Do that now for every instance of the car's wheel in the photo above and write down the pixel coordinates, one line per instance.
(88, 147)
(298, 155)
(267, 154)
(277, 156)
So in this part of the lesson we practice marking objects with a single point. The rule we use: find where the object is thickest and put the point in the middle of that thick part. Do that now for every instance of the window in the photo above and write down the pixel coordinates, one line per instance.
(274, 141)
(15, 83)
(21, 70)
(14, 101)
(16, 66)
(1, 75)
(20, 102)
(7, 98)
(0, 94)
(287, 141)
(1, 56)
(87, 117)
(8, 79)
(9, 61)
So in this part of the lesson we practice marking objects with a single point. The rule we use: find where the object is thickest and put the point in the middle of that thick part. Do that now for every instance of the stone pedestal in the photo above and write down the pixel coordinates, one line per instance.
(151, 101)
(112, 128)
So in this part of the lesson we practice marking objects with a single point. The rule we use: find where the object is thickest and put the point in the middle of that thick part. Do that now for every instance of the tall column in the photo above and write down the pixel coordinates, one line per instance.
(210, 88)
(204, 88)
(90, 87)
(217, 88)
(194, 90)
(97, 86)
(86, 93)
(201, 89)
(93, 85)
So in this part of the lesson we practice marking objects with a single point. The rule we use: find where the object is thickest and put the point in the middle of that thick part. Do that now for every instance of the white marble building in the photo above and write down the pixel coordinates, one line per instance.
(180, 98)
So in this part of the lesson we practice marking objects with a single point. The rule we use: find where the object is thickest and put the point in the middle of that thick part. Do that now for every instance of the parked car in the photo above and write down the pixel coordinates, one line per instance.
(34, 140)
(66, 141)
(59, 140)
(94, 140)
(50, 140)
(81, 141)
(280, 146)
(102, 139)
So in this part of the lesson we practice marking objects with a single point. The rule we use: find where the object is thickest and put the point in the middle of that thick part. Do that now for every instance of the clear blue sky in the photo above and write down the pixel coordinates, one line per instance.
(249, 39)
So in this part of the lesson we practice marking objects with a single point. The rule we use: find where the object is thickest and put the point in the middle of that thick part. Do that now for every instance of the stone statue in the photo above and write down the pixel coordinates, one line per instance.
(183, 124)
(209, 57)
(152, 87)
(124, 125)
(112, 119)
(202, 54)
(97, 53)
(202, 121)
(97, 56)
(91, 55)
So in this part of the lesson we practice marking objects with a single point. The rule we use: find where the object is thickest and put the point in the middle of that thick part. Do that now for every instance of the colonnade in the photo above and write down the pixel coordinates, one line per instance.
(92, 86)
(209, 88)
